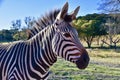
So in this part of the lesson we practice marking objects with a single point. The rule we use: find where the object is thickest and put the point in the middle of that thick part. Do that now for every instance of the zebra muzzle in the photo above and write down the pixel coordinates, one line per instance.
(83, 61)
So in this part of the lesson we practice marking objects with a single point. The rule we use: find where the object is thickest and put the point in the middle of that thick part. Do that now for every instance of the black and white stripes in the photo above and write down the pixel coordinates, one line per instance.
(31, 59)
(43, 22)
(28, 60)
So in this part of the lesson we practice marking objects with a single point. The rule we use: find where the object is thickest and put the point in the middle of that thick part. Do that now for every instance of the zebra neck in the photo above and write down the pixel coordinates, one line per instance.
(42, 41)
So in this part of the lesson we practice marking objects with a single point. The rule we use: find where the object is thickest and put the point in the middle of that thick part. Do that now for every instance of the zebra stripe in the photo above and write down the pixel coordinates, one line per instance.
(31, 59)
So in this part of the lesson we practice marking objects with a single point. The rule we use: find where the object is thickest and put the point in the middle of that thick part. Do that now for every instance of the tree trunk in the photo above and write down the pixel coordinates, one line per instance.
(89, 44)
(98, 39)
(88, 40)
(110, 38)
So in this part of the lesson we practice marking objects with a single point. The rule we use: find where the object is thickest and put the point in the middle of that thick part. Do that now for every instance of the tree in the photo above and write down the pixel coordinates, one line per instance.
(113, 8)
(110, 6)
(29, 21)
(112, 30)
(16, 26)
(89, 27)
(5, 35)
(19, 31)
(22, 35)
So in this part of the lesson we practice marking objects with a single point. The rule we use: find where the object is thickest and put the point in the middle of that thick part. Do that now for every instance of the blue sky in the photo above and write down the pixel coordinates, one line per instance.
(19, 9)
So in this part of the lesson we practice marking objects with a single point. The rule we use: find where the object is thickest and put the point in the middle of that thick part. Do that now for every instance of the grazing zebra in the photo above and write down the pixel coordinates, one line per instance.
(31, 59)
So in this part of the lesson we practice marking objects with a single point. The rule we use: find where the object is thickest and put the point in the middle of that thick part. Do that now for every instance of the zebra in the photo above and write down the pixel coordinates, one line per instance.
(32, 58)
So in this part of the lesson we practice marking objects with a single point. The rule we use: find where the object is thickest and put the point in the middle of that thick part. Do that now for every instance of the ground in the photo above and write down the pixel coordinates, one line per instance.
(104, 65)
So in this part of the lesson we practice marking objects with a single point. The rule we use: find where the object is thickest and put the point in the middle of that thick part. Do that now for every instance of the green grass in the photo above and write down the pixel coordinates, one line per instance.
(104, 65)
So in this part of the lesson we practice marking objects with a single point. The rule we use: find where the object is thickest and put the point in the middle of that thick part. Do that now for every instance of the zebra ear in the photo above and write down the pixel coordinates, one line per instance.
(63, 11)
(74, 13)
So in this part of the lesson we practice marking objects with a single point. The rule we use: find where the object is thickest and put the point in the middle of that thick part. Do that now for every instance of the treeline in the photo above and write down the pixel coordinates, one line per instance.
(17, 31)
(12, 35)
(99, 27)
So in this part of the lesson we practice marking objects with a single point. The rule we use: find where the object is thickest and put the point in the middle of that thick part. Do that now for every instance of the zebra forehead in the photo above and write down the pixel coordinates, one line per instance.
(67, 28)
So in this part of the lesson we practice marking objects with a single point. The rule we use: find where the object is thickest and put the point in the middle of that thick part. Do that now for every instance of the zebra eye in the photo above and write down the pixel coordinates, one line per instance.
(67, 34)
(56, 24)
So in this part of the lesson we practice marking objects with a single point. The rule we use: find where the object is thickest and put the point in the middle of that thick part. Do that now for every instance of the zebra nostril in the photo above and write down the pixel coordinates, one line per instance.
(86, 58)
(83, 61)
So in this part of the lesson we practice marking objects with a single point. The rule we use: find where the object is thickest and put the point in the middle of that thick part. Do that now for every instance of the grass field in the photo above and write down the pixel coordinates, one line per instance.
(104, 65)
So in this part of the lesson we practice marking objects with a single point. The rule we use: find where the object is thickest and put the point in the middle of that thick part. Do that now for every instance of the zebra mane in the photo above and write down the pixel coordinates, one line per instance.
(42, 22)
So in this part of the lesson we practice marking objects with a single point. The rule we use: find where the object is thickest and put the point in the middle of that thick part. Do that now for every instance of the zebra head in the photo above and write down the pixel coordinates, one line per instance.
(65, 42)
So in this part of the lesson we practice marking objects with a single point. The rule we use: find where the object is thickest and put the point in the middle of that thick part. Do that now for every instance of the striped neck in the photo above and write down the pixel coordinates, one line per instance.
(43, 47)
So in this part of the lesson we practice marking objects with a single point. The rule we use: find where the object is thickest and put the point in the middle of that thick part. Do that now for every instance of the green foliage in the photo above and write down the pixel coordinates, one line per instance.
(11, 35)
(16, 37)
(90, 26)
(5, 35)
(20, 36)
(17, 31)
